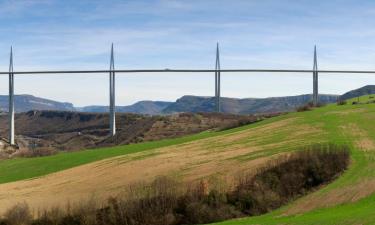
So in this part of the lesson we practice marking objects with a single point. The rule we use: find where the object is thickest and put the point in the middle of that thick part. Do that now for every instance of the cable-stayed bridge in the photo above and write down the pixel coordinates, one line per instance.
(112, 77)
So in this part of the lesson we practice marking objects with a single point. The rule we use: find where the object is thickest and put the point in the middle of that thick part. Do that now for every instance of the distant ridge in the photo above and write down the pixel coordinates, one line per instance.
(142, 107)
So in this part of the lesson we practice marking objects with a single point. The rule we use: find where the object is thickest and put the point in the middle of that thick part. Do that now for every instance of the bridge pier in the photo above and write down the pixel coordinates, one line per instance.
(11, 99)
(315, 80)
(112, 105)
(217, 80)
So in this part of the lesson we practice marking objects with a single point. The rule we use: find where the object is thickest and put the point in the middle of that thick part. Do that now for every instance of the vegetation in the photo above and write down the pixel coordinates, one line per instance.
(274, 186)
(163, 202)
(305, 107)
(309, 106)
(341, 102)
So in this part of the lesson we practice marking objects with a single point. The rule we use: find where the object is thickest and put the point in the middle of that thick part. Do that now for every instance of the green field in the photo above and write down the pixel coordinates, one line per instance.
(348, 200)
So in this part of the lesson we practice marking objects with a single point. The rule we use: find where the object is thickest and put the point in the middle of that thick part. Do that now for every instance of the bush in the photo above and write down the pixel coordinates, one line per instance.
(306, 107)
(18, 215)
(294, 176)
(341, 102)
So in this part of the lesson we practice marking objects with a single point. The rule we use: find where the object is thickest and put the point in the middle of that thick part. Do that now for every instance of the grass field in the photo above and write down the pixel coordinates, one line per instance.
(348, 200)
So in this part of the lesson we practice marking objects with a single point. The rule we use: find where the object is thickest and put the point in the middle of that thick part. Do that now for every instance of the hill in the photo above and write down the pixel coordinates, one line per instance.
(348, 200)
(366, 90)
(244, 106)
(24, 103)
(142, 107)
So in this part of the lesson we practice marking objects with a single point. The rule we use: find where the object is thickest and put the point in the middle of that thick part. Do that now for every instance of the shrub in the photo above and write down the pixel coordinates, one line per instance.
(18, 215)
(294, 176)
(305, 107)
(341, 102)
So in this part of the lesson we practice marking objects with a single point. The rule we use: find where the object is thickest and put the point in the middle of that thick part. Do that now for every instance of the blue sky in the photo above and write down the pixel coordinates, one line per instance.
(53, 34)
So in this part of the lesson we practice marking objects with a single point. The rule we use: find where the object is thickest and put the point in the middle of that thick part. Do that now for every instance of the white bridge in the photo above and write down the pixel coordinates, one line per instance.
(112, 71)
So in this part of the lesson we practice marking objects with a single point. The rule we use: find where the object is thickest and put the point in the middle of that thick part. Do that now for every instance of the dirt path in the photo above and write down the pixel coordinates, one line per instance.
(189, 161)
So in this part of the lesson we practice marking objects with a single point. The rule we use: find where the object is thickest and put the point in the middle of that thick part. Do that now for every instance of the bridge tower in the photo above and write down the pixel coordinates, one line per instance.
(112, 110)
(11, 99)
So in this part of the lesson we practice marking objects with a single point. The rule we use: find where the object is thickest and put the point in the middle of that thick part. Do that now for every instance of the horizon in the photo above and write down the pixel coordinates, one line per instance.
(179, 34)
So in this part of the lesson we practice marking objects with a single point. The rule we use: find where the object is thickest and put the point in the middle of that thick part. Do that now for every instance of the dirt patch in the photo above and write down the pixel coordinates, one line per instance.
(366, 144)
(362, 139)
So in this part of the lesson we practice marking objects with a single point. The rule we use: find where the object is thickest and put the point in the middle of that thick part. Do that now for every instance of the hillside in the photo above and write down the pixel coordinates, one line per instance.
(244, 106)
(349, 200)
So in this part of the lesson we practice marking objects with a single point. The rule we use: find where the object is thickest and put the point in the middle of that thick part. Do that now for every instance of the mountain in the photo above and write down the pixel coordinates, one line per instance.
(23, 103)
(142, 107)
(243, 106)
(366, 90)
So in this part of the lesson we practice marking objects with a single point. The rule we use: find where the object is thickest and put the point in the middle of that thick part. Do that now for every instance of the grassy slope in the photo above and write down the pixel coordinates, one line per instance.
(361, 212)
